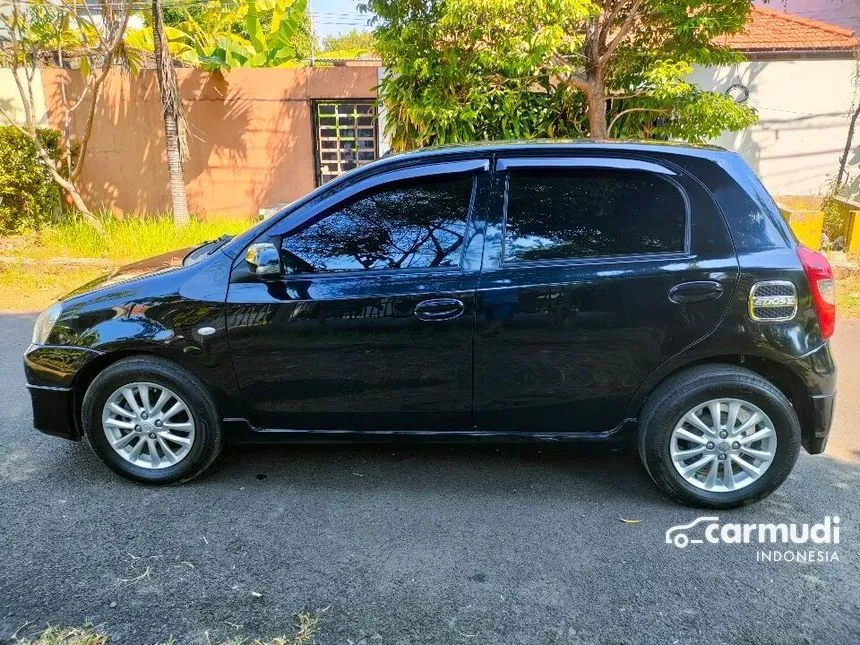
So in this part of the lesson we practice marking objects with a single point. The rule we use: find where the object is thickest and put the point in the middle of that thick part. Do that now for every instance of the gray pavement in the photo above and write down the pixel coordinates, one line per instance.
(408, 545)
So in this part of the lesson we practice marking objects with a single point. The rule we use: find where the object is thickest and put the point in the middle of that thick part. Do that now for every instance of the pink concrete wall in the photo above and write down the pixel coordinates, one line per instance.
(251, 138)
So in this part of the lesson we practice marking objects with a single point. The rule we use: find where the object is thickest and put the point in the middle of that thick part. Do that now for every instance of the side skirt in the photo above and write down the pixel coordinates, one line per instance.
(241, 431)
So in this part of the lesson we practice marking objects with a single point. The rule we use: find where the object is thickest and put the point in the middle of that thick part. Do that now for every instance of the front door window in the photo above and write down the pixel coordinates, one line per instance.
(416, 224)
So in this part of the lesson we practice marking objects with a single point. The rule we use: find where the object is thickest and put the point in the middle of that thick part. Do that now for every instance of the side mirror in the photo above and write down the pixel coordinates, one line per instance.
(263, 259)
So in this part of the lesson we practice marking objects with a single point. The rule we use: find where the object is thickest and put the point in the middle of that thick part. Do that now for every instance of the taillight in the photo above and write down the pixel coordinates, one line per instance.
(820, 277)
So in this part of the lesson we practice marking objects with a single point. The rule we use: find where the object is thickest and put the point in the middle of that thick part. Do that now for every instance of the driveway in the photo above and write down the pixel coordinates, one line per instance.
(407, 545)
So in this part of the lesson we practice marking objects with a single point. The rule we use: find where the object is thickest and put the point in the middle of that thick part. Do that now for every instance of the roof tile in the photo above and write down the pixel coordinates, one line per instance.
(773, 30)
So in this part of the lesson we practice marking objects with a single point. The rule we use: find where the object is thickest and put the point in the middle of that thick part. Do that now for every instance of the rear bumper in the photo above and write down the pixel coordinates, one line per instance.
(818, 426)
(53, 411)
(816, 413)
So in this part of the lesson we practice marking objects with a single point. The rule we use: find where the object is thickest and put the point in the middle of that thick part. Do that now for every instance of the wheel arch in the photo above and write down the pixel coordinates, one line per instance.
(87, 374)
(781, 375)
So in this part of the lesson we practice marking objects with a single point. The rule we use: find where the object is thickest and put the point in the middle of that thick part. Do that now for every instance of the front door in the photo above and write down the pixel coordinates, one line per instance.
(370, 326)
(574, 306)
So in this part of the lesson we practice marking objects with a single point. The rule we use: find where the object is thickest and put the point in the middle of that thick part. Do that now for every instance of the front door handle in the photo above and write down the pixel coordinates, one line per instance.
(439, 309)
(697, 291)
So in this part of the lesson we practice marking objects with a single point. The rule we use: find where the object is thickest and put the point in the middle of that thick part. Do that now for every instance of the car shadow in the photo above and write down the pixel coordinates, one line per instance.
(593, 477)
(464, 469)
(588, 472)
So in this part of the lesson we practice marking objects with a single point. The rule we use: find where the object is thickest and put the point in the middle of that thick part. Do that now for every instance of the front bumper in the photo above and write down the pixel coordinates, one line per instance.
(54, 411)
(51, 372)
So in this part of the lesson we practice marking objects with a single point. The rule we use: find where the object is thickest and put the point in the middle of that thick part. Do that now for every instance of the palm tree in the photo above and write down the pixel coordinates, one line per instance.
(175, 124)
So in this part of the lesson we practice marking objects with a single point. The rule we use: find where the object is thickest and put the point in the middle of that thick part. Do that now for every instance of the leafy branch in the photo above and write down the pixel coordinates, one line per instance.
(38, 29)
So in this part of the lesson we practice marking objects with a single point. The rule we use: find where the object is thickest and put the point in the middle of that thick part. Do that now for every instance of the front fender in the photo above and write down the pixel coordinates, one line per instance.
(177, 315)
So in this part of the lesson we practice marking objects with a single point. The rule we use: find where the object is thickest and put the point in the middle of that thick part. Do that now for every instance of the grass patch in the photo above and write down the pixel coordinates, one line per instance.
(848, 298)
(66, 636)
(126, 240)
(25, 287)
(307, 624)
(33, 274)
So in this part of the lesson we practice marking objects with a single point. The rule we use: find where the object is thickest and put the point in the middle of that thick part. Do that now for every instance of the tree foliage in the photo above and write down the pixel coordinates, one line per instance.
(54, 31)
(222, 35)
(354, 39)
(497, 69)
(29, 198)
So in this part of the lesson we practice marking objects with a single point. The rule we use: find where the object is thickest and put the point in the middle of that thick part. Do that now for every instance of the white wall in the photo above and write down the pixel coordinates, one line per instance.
(10, 98)
(384, 144)
(803, 110)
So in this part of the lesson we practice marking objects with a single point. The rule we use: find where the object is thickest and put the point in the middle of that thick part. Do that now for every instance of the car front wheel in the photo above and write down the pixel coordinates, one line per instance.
(151, 421)
(718, 436)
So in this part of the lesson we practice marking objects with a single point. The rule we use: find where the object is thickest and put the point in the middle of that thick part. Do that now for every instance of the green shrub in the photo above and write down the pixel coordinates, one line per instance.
(29, 198)
(834, 218)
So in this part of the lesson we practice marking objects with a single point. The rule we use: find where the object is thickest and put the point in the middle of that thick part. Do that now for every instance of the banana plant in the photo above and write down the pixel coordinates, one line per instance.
(251, 33)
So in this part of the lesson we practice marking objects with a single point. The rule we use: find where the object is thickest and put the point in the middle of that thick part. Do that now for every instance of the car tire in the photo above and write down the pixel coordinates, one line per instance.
(183, 450)
(662, 448)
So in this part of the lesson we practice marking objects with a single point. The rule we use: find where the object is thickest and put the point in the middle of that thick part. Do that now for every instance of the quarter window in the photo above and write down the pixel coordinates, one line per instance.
(404, 225)
(563, 213)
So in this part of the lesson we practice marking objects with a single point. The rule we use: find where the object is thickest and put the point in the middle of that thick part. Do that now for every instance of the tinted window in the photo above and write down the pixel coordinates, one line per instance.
(754, 216)
(415, 224)
(567, 213)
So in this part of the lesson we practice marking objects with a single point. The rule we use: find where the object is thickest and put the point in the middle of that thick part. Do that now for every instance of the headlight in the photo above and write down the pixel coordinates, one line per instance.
(45, 323)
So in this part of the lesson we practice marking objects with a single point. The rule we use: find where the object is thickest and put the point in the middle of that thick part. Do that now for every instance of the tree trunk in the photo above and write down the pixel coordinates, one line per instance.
(174, 170)
(174, 117)
(843, 160)
(72, 191)
(597, 114)
(597, 104)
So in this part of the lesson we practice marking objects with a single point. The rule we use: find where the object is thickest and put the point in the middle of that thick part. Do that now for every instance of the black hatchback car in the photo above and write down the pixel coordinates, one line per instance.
(595, 292)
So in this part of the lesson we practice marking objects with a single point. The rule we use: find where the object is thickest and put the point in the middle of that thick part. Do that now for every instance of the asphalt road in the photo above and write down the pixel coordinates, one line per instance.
(408, 545)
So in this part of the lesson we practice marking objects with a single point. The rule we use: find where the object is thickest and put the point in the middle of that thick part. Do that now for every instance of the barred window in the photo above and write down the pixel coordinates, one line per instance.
(346, 137)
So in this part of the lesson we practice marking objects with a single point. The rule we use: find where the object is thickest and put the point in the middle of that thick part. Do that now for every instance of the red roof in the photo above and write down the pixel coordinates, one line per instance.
(773, 30)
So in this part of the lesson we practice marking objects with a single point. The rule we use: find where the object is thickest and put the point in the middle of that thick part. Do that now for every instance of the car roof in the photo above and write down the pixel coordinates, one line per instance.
(544, 146)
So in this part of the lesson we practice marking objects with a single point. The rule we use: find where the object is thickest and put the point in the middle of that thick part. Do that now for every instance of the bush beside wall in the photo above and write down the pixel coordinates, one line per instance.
(29, 198)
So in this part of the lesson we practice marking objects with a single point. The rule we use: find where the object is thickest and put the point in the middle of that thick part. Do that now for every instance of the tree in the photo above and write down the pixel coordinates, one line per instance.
(352, 40)
(213, 36)
(496, 69)
(175, 125)
(222, 35)
(53, 31)
(842, 175)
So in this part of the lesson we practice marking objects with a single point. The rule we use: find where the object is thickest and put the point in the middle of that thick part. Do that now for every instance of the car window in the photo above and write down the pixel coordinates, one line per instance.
(588, 212)
(409, 224)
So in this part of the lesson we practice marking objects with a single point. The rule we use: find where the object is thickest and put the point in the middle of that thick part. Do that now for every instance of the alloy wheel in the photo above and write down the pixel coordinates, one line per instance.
(723, 445)
(148, 425)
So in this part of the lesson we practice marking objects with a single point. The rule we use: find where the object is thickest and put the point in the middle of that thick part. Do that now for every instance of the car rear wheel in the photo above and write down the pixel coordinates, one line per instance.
(718, 436)
(151, 421)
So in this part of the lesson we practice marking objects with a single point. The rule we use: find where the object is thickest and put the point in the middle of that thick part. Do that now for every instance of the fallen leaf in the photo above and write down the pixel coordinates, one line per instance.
(626, 521)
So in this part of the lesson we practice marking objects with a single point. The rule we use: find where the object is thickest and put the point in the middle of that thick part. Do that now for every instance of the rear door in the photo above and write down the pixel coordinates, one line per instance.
(370, 326)
(596, 271)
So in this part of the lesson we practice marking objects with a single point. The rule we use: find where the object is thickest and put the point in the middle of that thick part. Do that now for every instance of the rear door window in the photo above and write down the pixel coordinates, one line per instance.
(571, 213)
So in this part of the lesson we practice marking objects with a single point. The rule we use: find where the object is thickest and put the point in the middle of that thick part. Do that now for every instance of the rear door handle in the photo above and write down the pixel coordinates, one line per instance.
(439, 309)
(697, 291)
